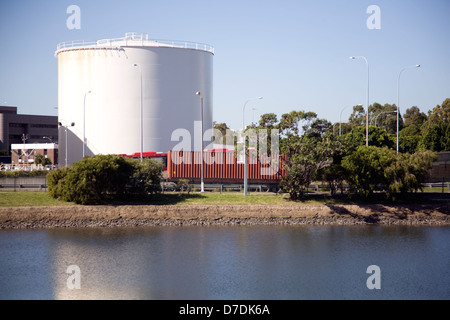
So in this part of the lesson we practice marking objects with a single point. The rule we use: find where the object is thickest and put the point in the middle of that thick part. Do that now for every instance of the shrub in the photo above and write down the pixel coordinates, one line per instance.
(378, 137)
(372, 168)
(102, 178)
(41, 159)
(147, 176)
(408, 172)
(366, 168)
(334, 175)
(96, 179)
(56, 182)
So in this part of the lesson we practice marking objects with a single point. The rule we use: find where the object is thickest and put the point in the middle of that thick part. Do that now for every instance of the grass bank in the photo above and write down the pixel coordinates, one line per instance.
(29, 199)
(33, 198)
(30, 210)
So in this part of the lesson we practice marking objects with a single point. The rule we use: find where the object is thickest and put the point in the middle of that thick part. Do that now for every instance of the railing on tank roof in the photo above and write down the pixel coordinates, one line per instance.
(134, 39)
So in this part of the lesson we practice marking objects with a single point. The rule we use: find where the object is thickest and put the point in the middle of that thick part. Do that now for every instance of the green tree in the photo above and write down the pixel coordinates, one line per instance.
(358, 116)
(440, 113)
(41, 159)
(307, 155)
(385, 117)
(411, 134)
(308, 148)
(409, 139)
(335, 175)
(319, 127)
(147, 176)
(378, 137)
(436, 130)
(268, 121)
(413, 116)
(222, 127)
(408, 172)
(228, 135)
(372, 168)
(342, 128)
(263, 132)
(295, 123)
(436, 137)
(366, 168)
(56, 182)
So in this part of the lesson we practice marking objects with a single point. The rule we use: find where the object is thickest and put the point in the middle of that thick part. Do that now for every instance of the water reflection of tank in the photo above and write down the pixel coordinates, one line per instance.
(102, 86)
(105, 262)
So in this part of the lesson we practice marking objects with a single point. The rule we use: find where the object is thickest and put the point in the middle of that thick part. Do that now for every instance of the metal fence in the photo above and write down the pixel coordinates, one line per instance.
(17, 183)
(40, 183)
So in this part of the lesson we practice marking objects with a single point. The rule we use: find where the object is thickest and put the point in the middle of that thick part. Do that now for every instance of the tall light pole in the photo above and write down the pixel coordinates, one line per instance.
(253, 117)
(141, 121)
(398, 95)
(245, 145)
(65, 130)
(367, 98)
(202, 185)
(84, 122)
(376, 117)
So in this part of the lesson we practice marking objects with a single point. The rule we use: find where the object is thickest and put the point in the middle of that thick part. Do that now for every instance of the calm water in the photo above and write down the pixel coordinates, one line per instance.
(239, 262)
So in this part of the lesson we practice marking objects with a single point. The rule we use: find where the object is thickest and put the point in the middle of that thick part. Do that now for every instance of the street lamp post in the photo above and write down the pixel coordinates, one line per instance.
(245, 145)
(376, 117)
(367, 98)
(49, 138)
(84, 122)
(398, 95)
(141, 111)
(202, 185)
(65, 130)
(253, 117)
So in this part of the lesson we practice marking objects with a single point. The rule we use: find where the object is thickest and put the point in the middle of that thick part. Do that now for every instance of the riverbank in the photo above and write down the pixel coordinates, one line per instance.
(74, 216)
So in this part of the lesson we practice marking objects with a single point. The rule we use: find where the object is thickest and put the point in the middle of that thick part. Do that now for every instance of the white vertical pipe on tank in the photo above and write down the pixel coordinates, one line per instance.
(202, 185)
(141, 112)
(84, 122)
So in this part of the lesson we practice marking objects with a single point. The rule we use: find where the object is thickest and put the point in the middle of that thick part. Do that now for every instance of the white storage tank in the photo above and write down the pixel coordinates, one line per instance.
(109, 89)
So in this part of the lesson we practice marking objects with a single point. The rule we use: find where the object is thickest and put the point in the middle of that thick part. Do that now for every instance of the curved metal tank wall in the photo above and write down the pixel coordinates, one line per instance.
(109, 116)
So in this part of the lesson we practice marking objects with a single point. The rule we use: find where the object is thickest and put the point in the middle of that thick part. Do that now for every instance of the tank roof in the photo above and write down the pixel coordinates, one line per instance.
(131, 39)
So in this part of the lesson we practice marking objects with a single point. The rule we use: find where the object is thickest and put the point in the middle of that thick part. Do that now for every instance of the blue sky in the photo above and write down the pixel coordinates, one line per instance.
(293, 53)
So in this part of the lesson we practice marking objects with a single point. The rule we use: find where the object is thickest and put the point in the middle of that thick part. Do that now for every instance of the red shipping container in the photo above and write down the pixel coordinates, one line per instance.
(222, 167)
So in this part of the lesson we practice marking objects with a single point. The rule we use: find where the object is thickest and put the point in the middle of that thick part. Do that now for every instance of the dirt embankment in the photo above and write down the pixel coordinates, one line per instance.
(178, 215)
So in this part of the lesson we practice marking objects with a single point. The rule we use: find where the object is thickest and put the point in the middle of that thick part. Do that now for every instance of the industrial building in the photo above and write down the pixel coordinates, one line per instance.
(25, 128)
(25, 154)
(132, 94)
